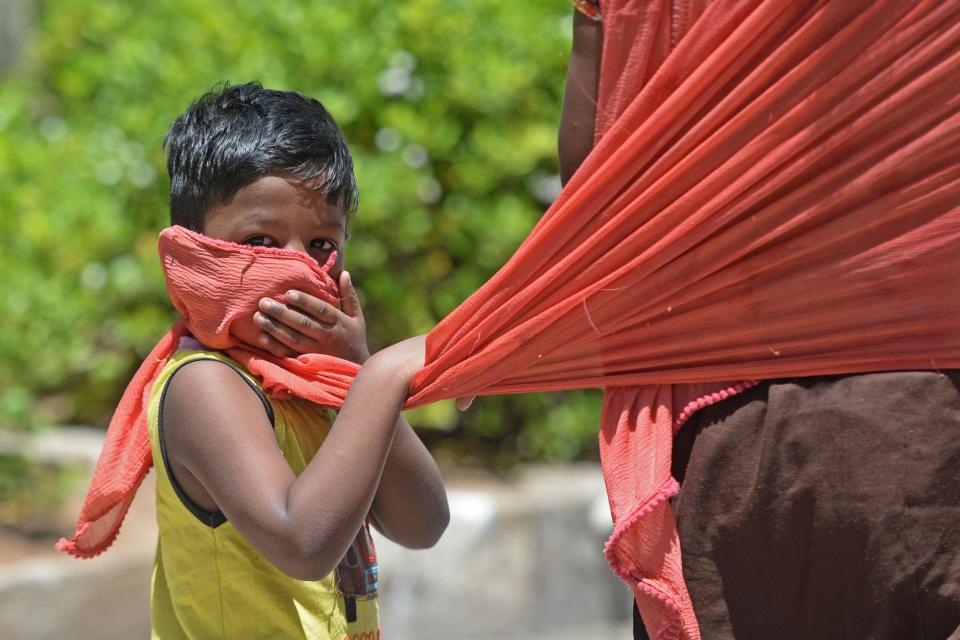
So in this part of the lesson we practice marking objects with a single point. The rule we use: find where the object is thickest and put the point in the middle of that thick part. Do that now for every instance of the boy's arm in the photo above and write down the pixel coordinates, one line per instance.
(218, 438)
(410, 507)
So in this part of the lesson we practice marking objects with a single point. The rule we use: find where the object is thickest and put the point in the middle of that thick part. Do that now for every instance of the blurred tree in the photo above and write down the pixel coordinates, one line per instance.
(15, 21)
(450, 108)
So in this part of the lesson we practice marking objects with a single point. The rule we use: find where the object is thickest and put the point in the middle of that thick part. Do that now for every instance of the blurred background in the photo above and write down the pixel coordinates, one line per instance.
(451, 110)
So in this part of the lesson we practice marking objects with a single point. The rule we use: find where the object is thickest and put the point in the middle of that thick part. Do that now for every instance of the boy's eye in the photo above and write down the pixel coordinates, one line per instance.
(259, 241)
(323, 244)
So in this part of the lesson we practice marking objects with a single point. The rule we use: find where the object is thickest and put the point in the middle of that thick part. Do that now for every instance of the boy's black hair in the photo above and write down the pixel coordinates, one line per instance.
(233, 135)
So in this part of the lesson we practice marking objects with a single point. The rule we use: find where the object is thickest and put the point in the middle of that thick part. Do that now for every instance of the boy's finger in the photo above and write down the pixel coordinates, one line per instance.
(349, 300)
(314, 307)
(290, 317)
(281, 333)
(271, 345)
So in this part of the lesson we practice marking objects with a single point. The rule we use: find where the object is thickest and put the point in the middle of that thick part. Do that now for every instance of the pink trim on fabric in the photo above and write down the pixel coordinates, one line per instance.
(673, 629)
(277, 251)
(72, 546)
(666, 491)
(711, 398)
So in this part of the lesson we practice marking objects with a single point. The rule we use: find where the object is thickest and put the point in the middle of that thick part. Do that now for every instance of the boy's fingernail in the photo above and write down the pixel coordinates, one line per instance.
(269, 305)
(292, 295)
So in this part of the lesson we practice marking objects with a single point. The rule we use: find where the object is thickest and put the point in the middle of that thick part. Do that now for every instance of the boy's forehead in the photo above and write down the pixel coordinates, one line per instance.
(275, 198)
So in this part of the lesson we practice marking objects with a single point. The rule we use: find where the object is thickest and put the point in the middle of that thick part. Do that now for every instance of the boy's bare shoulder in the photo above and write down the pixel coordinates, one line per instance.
(213, 426)
(205, 396)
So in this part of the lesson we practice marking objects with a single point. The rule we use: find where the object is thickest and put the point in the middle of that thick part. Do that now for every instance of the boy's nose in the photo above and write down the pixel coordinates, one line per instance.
(296, 245)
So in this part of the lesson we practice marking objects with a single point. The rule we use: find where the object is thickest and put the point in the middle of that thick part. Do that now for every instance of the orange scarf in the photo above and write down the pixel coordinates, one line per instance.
(214, 285)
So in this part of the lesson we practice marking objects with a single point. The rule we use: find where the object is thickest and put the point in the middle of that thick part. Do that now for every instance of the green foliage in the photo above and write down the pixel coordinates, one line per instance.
(31, 493)
(450, 108)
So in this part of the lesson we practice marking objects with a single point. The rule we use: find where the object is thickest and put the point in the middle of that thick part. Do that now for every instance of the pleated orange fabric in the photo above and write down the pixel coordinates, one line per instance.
(215, 285)
(775, 193)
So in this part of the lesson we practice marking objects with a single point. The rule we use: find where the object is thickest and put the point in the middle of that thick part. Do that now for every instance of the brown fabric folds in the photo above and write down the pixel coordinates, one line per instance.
(826, 507)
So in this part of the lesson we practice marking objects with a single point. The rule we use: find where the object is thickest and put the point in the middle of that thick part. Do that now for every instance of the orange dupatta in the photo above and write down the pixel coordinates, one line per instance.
(776, 193)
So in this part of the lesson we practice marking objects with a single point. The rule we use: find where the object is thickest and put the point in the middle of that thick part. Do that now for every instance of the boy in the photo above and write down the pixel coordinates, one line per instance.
(259, 499)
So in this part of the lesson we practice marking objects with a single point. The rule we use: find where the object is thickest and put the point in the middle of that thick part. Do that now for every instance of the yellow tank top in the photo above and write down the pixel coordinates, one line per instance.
(209, 582)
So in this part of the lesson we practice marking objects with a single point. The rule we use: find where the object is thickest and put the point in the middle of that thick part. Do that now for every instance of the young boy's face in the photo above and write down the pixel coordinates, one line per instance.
(276, 212)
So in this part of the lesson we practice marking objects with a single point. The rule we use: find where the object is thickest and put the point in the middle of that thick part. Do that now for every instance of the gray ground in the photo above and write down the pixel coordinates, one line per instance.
(522, 559)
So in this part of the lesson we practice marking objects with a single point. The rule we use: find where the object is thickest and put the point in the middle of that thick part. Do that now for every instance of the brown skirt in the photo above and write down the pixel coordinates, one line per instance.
(825, 507)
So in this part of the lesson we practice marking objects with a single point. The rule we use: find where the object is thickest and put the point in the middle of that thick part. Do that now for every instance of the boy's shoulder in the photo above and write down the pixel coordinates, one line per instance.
(198, 383)
(192, 351)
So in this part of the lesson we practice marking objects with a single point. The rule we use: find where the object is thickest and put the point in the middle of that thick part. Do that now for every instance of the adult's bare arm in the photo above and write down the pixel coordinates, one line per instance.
(578, 117)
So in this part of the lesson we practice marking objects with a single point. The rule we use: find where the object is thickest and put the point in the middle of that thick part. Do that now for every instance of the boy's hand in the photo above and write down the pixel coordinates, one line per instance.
(404, 358)
(306, 324)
